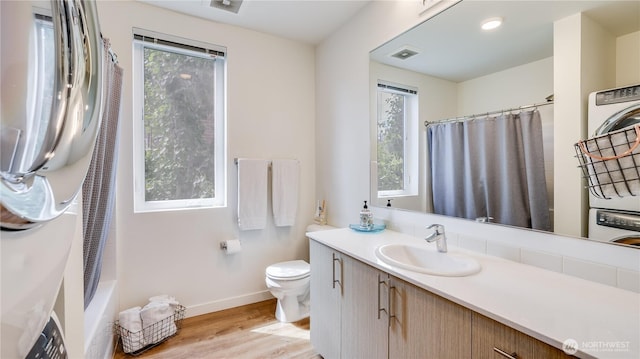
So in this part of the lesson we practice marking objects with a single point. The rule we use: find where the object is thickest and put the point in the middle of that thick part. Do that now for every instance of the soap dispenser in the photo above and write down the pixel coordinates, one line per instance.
(366, 217)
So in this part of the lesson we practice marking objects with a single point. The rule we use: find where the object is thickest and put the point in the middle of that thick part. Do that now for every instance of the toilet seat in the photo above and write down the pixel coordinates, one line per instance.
(290, 270)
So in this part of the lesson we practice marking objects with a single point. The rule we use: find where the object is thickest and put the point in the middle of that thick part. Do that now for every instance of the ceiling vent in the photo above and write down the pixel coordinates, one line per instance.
(227, 5)
(404, 53)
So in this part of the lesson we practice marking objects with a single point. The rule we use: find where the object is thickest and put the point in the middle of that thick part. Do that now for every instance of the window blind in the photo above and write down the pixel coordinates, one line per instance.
(398, 88)
(186, 44)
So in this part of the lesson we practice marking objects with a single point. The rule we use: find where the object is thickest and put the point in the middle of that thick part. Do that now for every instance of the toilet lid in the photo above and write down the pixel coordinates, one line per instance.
(289, 270)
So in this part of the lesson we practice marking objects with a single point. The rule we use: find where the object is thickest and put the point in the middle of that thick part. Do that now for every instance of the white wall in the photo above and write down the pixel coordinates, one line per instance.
(271, 104)
(518, 86)
(627, 59)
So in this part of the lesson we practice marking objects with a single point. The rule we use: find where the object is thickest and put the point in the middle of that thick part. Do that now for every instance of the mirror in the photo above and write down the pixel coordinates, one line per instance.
(459, 71)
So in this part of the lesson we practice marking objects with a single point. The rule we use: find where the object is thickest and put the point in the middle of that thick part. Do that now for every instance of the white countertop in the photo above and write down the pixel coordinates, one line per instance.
(549, 306)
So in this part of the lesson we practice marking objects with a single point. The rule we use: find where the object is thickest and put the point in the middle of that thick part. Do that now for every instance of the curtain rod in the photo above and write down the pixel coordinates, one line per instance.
(474, 116)
(113, 55)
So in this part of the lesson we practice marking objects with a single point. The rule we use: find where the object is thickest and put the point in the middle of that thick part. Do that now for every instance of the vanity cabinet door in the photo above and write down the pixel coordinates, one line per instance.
(364, 311)
(497, 341)
(424, 325)
(326, 292)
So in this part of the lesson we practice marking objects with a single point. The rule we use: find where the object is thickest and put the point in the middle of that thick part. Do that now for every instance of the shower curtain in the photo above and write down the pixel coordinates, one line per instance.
(490, 167)
(98, 189)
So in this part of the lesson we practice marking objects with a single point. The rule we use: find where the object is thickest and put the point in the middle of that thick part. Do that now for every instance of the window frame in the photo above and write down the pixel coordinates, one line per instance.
(411, 133)
(182, 46)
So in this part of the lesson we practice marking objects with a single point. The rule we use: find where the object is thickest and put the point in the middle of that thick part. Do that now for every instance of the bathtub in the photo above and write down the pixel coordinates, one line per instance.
(99, 340)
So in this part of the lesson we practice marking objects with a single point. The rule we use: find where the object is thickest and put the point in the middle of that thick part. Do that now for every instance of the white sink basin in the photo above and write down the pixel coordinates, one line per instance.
(427, 260)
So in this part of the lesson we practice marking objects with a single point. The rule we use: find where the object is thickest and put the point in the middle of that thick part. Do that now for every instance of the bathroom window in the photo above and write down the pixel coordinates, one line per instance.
(397, 118)
(179, 123)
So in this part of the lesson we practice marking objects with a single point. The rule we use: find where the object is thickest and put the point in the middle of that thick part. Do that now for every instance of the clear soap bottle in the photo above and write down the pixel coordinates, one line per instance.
(366, 217)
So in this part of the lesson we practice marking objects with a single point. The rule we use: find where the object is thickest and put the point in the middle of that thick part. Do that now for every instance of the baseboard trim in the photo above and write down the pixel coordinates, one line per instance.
(227, 303)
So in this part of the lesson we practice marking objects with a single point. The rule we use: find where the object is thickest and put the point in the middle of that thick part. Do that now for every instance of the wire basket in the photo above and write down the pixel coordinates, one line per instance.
(137, 342)
(611, 163)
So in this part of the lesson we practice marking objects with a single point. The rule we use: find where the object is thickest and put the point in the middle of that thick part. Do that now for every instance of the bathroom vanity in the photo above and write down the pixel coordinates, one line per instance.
(362, 307)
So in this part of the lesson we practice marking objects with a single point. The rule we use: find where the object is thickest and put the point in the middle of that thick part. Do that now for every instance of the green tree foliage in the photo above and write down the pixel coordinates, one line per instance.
(179, 126)
(390, 141)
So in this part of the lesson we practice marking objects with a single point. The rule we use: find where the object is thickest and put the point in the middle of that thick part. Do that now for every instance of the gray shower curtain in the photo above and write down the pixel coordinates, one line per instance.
(490, 167)
(98, 189)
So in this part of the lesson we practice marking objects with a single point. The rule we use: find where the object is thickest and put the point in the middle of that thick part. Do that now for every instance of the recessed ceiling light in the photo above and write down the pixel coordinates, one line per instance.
(492, 23)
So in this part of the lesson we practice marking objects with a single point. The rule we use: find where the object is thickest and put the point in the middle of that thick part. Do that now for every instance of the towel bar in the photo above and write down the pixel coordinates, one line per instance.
(235, 160)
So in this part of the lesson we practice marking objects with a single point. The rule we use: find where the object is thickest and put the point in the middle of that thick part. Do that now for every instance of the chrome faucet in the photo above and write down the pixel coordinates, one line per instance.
(438, 236)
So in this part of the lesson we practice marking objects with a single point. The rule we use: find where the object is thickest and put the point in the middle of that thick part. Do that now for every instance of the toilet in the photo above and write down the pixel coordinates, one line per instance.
(289, 283)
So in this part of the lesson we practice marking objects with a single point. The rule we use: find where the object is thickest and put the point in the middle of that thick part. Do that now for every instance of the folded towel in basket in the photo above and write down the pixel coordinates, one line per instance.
(158, 321)
(612, 174)
(615, 178)
(132, 338)
(165, 298)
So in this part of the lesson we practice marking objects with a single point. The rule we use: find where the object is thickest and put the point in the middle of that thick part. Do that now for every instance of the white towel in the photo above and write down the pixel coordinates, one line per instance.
(165, 298)
(132, 338)
(157, 321)
(252, 193)
(285, 183)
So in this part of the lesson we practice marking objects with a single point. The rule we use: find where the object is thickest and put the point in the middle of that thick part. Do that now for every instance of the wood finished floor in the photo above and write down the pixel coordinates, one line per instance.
(246, 332)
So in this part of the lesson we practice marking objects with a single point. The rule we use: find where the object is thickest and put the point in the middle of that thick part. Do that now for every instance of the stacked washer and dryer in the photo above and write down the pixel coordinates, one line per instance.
(50, 115)
(614, 216)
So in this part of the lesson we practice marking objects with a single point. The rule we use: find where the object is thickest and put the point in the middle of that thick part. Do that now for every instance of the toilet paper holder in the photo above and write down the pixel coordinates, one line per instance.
(231, 246)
